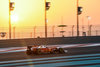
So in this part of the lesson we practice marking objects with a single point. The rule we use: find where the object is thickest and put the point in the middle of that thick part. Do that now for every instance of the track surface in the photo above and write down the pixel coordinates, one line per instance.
(77, 55)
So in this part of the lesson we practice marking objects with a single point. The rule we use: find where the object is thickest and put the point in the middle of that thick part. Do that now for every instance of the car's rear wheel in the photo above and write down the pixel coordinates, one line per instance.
(38, 51)
(28, 52)
(56, 52)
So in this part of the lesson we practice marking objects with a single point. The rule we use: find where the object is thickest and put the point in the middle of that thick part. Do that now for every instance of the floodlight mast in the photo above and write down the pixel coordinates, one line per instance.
(77, 19)
(45, 21)
(47, 6)
(79, 11)
(11, 8)
(9, 21)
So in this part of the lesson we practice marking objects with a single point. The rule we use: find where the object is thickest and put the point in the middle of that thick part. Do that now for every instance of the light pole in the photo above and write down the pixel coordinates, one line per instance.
(11, 8)
(45, 21)
(9, 21)
(79, 11)
(77, 20)
(47, 6)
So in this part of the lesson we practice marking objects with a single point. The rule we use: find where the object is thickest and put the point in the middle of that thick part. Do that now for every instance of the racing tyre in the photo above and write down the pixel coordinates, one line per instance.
(38, 51)
(61, 50)
(54, 51)
(28, 52)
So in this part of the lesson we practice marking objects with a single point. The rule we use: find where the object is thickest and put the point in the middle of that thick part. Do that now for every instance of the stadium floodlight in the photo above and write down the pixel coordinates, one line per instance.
(79, 10)
(47, 5)
(12, 6)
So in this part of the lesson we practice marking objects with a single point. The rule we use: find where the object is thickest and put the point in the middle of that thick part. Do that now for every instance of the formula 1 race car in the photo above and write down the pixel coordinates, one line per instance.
(41, 49)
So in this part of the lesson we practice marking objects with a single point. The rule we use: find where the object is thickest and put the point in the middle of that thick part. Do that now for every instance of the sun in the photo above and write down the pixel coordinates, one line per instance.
(14, 18)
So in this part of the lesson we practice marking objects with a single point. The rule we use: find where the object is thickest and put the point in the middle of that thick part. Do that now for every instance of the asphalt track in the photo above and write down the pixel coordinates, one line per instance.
(83, 56)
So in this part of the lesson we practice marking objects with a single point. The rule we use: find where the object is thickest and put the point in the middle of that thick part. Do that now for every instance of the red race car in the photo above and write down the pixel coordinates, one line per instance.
(41, 49)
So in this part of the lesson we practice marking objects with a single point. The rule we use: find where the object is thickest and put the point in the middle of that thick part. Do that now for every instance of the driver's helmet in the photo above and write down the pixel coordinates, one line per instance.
(42, 46)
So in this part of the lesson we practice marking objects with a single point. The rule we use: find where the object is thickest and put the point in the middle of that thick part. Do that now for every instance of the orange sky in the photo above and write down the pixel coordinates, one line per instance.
(31, 12)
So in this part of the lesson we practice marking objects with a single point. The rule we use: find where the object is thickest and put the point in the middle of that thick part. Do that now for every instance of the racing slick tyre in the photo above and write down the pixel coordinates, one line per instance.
(61, 50)
(38, 51)
(54, 51)
(28, 52)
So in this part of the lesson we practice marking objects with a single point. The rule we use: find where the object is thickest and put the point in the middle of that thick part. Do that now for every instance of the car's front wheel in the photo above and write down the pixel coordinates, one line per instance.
(61, 50)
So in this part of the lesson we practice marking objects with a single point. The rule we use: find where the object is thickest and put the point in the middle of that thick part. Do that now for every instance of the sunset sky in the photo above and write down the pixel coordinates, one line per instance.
(31, 12)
